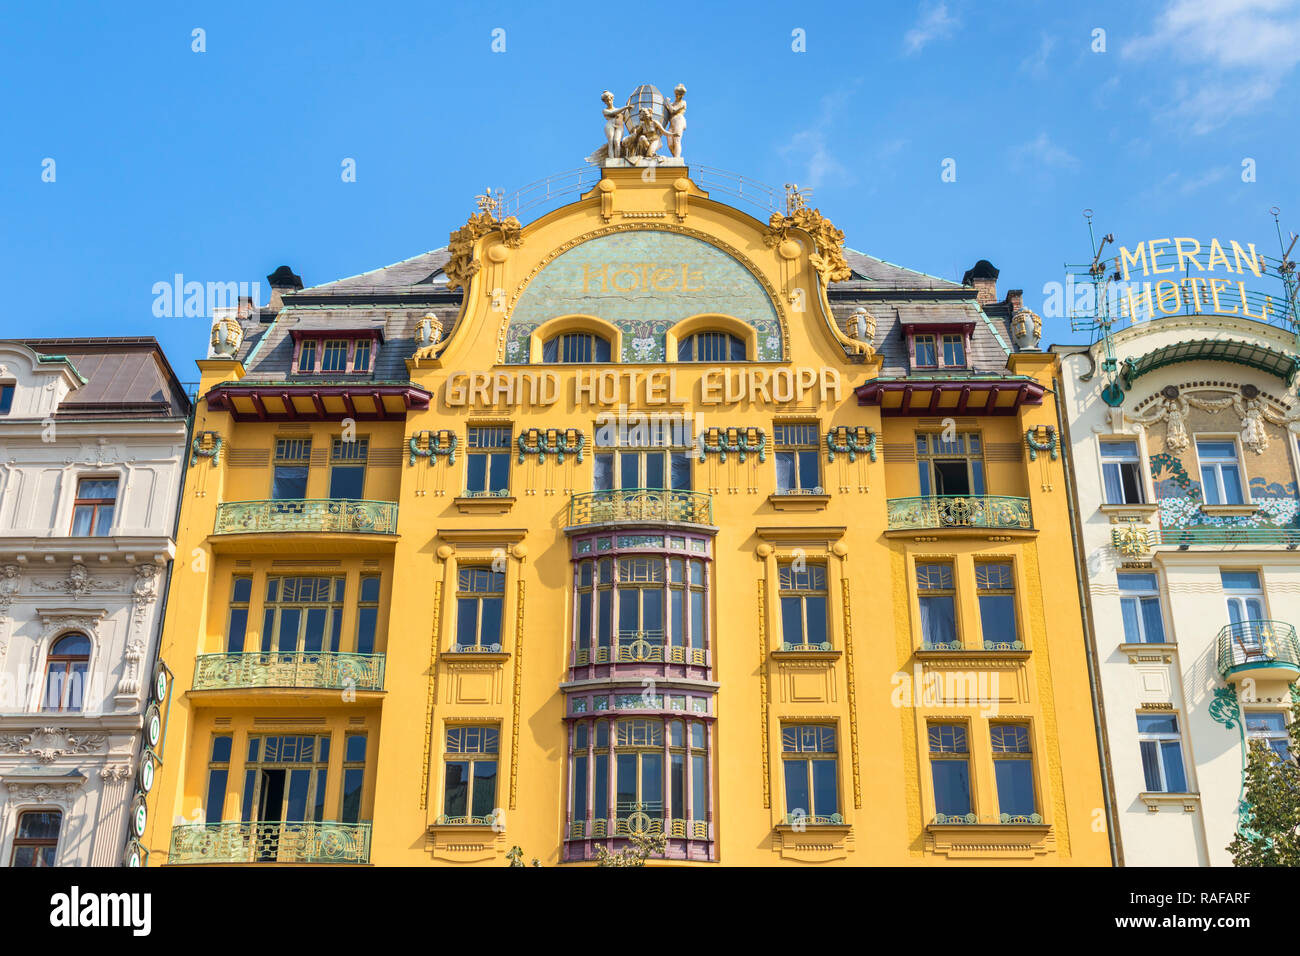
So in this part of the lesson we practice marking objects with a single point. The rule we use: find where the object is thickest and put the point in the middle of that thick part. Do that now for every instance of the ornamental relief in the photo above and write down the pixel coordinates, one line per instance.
(47, 744)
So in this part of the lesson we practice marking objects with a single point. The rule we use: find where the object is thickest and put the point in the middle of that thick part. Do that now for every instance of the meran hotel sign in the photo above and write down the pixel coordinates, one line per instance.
(1205, 282)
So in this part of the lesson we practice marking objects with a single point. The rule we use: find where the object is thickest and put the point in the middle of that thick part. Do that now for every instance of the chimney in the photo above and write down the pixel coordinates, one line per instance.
(983, 277)
(282, 280)
(1016, 300)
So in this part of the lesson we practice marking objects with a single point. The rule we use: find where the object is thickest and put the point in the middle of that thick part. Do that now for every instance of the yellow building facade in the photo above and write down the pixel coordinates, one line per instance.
(646, 516)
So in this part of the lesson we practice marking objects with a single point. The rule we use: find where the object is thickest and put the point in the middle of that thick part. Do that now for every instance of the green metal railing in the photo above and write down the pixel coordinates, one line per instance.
(675, 827)
(307, 514)
(289, 669)
(287, 842)
(1249, 644)
(958, 511)
(971, 819)
(640, 504)
(1222, 535)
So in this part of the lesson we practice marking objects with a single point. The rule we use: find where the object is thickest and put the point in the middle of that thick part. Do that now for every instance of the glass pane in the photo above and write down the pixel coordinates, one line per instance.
(485, 787)
(290, 482)
(998, 617)
(600, 787)
(1129, 611)
(1217, 449)
(584, 620)
(629, 470)
(652, 781)
(296, 807)
(1132, 483)
(815, 609)
(654, 470)
(699, 785)
(797, 795)
(625, 784)
(698, 637)
(347, 481)
(606, 608)
(456, 793)
(938, 620)
(951, 787)
(81, 518)
(103, 519)
(1015, 786)
(923, 471)
(366, 620)
(825, 798)
(490, 631)
(1172, 752)
(290, 619)
(1152, 621)
(791, 620)
(580, 788)
(603, 473)
(1157, 723)
(314, 636)
(352, 781)
(1240, 580)
(809, 474)
(784, 471)
(602, 350)
(1231, 485)
(476, 473)
(466, 621)
(1210, 485)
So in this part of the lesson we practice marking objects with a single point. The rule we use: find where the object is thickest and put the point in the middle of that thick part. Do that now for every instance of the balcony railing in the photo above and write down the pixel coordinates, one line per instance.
(275, 669)
(640, 504)
(1258, 644)
(1216, 536)
(1002, 819)
(307, 514)
(271, 843)
(676, 828)
(958, 511)
(641, 647)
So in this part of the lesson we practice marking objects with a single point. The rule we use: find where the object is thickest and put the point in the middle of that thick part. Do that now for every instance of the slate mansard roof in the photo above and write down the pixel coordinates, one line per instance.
(122, 377)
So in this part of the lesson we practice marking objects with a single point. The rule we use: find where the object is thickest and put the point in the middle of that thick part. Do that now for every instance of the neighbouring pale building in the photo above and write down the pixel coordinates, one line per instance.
(92, 446)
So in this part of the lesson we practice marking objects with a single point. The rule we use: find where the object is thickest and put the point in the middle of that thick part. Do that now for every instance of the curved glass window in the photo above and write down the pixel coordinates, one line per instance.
(576, 348)
(65, 673)
(711, 347)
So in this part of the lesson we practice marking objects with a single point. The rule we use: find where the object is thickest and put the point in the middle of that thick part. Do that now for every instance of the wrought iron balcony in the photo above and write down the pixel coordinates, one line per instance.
(323, 671)
(346, 515)
(1002, 819)
(1216, 536)
(271, 843)
(640, 504)
(641, 647)
(1259, 649)
(958, 511)
(675, 828)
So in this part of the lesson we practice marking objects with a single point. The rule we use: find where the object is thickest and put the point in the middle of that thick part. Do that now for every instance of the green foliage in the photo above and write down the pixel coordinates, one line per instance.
(1268, 833)
(640, 847)
(516, 857)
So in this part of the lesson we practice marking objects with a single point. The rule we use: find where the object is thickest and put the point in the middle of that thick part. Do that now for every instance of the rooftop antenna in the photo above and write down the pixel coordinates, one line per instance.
(1102, 322)
(1286, 269)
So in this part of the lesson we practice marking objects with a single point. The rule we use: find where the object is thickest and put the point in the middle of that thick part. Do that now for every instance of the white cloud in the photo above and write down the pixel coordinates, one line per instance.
(1036, 62)
(1178, 184)
(935, 23)
(1042, 153)
(811, 143)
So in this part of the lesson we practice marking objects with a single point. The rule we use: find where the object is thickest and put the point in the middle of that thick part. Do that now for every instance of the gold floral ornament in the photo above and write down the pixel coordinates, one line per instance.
(1130, 541)
(462, 265)
(829, 259)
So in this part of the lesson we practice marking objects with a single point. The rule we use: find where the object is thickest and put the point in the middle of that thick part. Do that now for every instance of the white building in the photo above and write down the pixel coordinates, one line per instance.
(92, 451)
(1187, 509)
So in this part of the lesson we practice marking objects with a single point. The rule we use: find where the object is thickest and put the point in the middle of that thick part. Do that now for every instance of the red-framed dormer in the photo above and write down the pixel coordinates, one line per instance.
(335, 351)
(938, 346)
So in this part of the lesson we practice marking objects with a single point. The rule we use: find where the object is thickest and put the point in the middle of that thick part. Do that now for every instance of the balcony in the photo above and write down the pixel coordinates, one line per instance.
(1259, 650)
(640, 505)
(270, 843)
(942, 512)
(641, 647)
(317, 671)
(307, 515)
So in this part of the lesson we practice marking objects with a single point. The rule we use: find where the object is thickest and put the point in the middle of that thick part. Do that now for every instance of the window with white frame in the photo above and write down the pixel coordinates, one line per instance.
(1161, 746)
(1121, 472)
(1269, 728)
(1221, 482)
(1139, 604)
(1248, 628)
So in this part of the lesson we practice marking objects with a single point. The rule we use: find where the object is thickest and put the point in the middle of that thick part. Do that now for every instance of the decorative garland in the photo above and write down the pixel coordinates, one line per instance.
(197, 452)
(437, 443)
(1053, 443)
(741, 446)
(851, 444)
(553, 441)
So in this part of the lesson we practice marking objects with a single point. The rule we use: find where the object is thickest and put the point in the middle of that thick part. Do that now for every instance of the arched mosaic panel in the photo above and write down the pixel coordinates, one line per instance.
(644, 282)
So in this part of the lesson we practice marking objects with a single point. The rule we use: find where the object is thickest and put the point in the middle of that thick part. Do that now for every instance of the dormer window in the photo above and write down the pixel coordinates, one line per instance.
(334, 356)
(307, 356)
(954, 351)
(361, 356)
(925, 352)
(939, 347)
(335, 352)
(6, 399)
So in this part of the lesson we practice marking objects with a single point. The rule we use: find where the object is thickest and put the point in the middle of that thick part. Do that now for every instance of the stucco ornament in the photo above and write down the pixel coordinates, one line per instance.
(1172, 410)
(10, 579)
(428, 335)
(227, 335)
(49, 743)
(78, 583)
(462, 266)
(1026, 329)
(861, 325)
(829, 259)
(644, 139)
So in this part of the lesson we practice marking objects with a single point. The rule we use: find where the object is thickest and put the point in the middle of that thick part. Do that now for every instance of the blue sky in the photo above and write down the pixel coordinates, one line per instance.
(222, 165)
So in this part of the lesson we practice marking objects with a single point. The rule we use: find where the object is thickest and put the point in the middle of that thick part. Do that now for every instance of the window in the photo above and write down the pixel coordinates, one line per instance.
(954, 351)
(686, 605)
(1248, 628)
(798, 460)
(925, 352)
(470, 786)
(307, 356)
(480, 593)
(334, 356)
(488, 461)
(939, 350)
(1220, 473)
(1121, 472)
(640, 608)
(65, 673)
(241, 592)
(997, 599)
(576, 348)
(950, 769)
(36, 838)
(367, 613)
(92, 512)
(810, 761)
(1162, 753)
(666, 464)
(1269, 728)
(953, 467)
(1013, 769)
(711, 347)
(289, 480)
(937, 597)
(803, 607)
(1139, 604)
(348, 468)
(304, 615)
(6, 399)
(639, 595)
(361, 356)
(638, 772)
(354, 777)
(284, 780)
(218, 777)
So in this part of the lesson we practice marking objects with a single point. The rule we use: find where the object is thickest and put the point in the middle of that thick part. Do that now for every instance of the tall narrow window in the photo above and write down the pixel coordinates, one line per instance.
(954, 351)
(6, 399)
(997, 599)
(334, 356)
(640, 609)
(686, 605)
(361, 356)
(307, 356)
(289, 478)
(480, 593)
(470, 768)
(348, 468)
(65, 673)
(304, 615)
(241, 592)
(579, 783)
(798, 460)
(1248, 628)
(923, 347)
(937, 598)
(354, 777)
(576, 348)
(655, 454)
(284, 779)
(803, 607)
(36, 838)
(1139, 604)
(810, 759)
(488, 461)
(1269, 728)
(1162, 753)
(711, 347)
(1013, 768)
(92, 512)
(367, 613)
(953, 467)
(218, 777)
(1121, 472)
(1220, 472)
(950, 769)
(638, 771)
